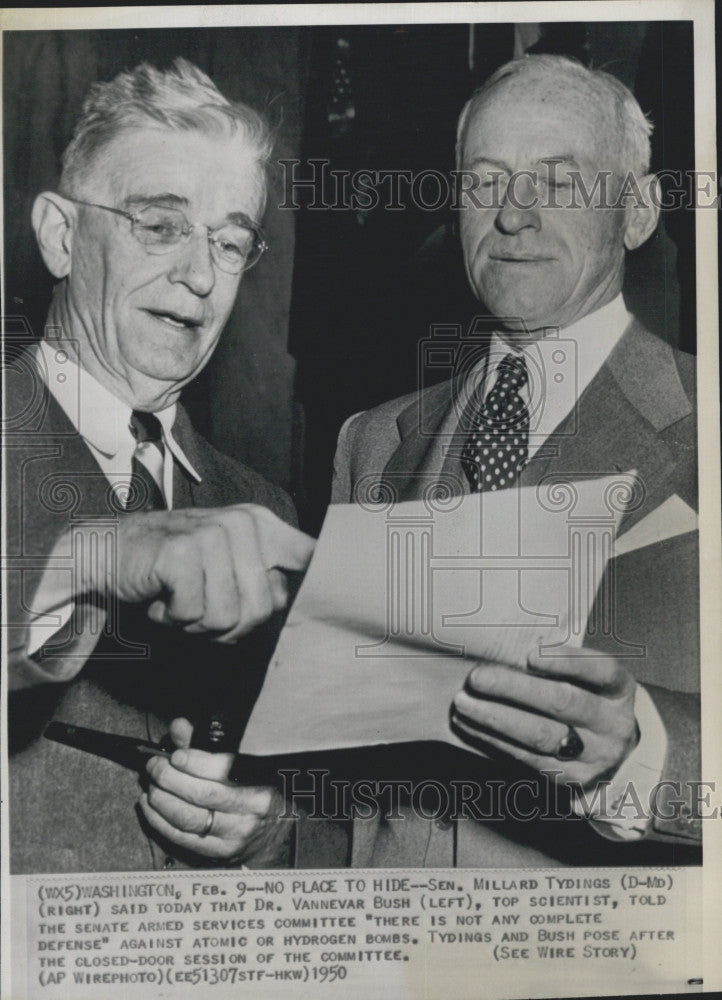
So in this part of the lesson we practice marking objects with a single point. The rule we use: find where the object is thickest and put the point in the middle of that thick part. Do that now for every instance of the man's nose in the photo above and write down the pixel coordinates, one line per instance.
(520, 206)
(193, 264)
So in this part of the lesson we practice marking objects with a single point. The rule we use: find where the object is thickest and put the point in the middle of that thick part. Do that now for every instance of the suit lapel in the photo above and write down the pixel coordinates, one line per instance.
(88, 481)
(607, 435)
(615, 427)
(421, 451)
(616, 424)
(185, 489)
(217, 488)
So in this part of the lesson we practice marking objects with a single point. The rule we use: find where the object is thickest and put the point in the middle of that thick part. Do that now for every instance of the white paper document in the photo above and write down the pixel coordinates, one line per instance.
(673, 517)
(400, 599)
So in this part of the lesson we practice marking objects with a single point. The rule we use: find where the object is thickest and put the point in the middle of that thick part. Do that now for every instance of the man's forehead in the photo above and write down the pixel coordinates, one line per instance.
(542, 121)
(178, 166)
(549, 92)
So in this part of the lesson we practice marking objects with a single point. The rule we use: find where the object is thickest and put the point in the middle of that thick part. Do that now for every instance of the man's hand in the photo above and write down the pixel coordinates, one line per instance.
(527, 714)
(246, 824)
(207, 570)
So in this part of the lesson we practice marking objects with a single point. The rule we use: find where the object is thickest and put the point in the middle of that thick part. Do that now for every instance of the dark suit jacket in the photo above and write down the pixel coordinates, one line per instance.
(637, 413)
(71, 811)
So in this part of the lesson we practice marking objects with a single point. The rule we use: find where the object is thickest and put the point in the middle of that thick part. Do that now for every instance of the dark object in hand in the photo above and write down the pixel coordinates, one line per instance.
(124, 750)
(217, 733)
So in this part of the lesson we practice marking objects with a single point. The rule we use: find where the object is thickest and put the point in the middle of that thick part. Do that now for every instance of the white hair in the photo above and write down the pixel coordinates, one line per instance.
(621, 109)
(181, 98)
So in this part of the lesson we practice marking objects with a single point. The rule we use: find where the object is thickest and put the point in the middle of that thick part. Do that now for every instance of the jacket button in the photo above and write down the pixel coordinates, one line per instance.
(168, 863)
(443, 824)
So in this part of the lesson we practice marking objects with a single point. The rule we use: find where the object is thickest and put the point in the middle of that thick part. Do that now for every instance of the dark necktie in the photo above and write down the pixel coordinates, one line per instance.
(147, 464)
(497, 447)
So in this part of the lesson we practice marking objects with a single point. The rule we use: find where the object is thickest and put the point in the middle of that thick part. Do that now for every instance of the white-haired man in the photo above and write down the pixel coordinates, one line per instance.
(544, 244)
(132, 541)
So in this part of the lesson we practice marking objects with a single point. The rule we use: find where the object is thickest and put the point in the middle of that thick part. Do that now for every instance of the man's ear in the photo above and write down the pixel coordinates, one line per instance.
(642, 214)
(53, 218)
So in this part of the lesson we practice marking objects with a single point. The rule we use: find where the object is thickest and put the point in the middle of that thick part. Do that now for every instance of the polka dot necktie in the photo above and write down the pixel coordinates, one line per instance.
(497, 447)
(147, 463)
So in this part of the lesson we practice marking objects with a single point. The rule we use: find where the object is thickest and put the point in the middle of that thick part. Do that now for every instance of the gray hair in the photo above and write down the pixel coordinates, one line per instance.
(631, 127)
(182, 98)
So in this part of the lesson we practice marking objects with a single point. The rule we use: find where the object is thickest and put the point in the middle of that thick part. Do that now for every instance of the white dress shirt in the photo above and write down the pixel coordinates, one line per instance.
(560, 366)
(103, 420)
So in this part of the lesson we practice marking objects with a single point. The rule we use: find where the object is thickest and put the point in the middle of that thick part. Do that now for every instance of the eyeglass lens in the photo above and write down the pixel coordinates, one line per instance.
(159, 229)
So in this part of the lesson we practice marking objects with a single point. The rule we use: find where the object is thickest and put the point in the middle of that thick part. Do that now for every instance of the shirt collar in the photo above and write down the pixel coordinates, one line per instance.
(101, 418)
(167, 419)
(592, 339)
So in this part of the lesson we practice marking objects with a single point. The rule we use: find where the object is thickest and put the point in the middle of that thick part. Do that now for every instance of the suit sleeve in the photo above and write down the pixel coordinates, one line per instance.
(49, 634)
(342, 484)
(54, 658)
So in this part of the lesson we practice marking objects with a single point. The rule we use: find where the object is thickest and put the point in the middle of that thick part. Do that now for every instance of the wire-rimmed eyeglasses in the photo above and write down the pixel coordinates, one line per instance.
(235, 246)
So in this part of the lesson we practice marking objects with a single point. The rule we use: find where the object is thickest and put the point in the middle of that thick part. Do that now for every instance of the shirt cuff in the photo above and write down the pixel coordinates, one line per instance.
(43, 627)
(62, 654)
(60, 632)
(620, 809)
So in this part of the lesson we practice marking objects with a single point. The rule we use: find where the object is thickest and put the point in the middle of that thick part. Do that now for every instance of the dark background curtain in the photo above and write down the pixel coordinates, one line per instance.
(330, 322)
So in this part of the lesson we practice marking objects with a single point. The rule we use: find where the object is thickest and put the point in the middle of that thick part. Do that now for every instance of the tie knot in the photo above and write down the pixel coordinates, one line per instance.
(512, 369)
(145, 427)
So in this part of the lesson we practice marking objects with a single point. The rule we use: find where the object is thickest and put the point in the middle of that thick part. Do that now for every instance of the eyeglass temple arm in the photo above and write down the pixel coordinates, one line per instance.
(246, 220)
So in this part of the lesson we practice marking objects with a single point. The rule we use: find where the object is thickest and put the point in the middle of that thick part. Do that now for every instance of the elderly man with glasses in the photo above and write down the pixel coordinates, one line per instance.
(131, 541)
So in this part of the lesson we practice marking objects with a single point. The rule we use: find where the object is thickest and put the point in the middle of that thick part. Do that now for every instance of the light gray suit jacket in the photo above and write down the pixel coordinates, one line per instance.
(637, 413)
